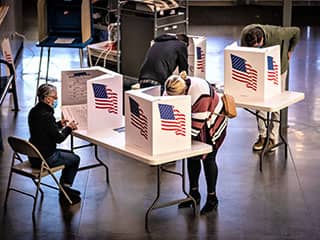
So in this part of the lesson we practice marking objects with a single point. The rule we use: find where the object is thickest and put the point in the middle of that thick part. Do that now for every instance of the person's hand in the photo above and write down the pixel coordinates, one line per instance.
(73, 125)
(289, 55)
(64, 122)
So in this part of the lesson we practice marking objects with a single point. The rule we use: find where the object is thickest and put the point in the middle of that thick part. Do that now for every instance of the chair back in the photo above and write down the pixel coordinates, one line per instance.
(21, 146)
(25, 148)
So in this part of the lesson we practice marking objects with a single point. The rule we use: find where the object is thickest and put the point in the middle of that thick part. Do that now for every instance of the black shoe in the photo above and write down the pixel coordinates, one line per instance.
(73, 197)
(211, 204)
(71, 191)
(196, 196)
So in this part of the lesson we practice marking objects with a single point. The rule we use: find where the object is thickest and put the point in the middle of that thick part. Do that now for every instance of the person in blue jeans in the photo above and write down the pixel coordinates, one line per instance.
(46, 133)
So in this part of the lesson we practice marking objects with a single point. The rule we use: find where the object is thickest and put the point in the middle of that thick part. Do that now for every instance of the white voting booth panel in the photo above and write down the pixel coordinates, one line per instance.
(157, 124)
(252, 73)
(74, 84)
(197, 56)
(75, 97)
(104, 94)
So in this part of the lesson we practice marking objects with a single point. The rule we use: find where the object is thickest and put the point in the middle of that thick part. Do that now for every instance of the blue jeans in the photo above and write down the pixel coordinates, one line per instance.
(70, 161)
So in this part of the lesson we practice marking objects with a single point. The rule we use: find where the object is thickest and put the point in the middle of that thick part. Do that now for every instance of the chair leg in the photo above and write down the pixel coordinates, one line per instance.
(36, 196)
(40, 189)
(8, 189)
(60, 187)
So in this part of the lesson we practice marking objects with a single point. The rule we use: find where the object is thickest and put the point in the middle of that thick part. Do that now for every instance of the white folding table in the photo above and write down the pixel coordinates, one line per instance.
(115, 141)
(274, 104)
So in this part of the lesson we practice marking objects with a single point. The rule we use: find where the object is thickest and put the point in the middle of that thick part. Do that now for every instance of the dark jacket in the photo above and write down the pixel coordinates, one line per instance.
(162, 58)
(44, 130)
(276, 35)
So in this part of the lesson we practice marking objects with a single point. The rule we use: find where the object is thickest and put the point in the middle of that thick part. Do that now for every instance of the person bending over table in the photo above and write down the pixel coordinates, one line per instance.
(209, 126)
(256, 35)
(168, 52)
(46, 132)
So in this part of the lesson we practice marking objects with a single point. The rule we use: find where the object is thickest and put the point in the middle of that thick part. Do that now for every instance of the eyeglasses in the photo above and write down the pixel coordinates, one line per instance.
(53, 96)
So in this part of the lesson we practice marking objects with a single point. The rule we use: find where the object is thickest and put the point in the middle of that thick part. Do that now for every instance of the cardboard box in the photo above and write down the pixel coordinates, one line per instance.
(157, 124)
(252, 73)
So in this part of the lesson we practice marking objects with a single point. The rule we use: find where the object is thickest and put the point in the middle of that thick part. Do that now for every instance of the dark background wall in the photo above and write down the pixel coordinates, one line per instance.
(244, 14)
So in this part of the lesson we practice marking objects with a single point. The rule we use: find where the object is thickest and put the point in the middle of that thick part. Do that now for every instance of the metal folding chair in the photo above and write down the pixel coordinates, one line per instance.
(23, 149)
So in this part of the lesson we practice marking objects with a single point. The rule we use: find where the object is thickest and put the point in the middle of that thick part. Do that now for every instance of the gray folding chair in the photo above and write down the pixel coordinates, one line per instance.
(23, 149)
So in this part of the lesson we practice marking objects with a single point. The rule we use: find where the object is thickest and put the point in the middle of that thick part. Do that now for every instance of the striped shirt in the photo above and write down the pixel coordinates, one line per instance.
(207, 126)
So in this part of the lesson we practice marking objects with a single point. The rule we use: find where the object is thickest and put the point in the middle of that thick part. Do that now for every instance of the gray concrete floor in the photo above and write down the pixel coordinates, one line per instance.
(282, 202)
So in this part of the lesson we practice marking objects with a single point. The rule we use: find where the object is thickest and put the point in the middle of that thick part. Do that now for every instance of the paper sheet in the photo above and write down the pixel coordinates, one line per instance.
(77, 113)
(64, 40)
(74, 85)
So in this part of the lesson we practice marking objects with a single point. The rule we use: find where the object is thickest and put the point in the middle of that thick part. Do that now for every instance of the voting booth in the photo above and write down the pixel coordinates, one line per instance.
(92, 97)
(197, 56)
(104, 100)
(157, 124)
(64, 22)
(252, 73)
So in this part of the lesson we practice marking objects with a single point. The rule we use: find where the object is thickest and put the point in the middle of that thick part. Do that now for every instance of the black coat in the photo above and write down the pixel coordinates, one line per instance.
(44, 130)
(163, 57)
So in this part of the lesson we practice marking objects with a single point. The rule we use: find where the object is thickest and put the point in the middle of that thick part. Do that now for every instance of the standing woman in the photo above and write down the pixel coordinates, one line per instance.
(208, 127)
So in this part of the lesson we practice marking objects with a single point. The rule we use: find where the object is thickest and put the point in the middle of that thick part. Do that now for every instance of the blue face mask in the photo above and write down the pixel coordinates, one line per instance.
(55, 104)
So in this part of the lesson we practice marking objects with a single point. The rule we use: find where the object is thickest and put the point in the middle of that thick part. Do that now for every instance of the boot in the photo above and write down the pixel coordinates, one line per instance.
(196, 196)
(211, 204)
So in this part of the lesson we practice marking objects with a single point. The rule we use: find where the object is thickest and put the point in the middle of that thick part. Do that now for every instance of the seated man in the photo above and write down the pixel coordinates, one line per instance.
(46, 132)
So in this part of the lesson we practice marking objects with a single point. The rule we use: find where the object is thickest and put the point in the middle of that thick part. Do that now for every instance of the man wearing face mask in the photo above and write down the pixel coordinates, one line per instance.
(46, 133)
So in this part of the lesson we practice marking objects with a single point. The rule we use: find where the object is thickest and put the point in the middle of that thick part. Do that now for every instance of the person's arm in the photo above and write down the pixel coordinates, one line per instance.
(183, 59)
(292, 34)
(53, 130)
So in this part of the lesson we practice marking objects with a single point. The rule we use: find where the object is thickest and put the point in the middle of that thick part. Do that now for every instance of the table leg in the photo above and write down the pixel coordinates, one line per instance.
(155, 204)
(81, 57)
(48, 61)
(265, 145)
(156, 199)
(39, 73)
(101, 163)
(14, 93)
(283, 139)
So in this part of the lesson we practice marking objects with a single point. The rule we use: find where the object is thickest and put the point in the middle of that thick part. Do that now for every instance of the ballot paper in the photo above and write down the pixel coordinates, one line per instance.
(64, 40)
(77, 113)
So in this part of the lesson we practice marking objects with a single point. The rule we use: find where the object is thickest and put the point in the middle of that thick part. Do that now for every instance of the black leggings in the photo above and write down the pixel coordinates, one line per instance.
(210, 170)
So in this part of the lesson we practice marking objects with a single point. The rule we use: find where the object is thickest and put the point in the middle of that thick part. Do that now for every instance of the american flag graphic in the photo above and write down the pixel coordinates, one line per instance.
(273, 69)
(201, 59)
(172, 119)
(137, 118)
(244, 72)
(105, 98)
